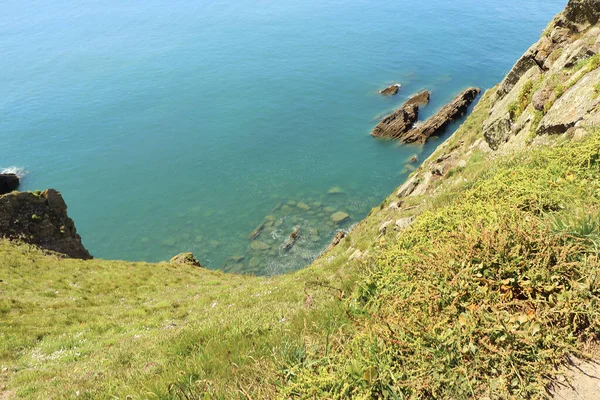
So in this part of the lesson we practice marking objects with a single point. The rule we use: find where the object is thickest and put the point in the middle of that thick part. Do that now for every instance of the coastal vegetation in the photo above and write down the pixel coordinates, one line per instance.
(478, 278)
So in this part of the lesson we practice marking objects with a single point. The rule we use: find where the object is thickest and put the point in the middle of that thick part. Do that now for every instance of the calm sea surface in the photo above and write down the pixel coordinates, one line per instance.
(180, 125)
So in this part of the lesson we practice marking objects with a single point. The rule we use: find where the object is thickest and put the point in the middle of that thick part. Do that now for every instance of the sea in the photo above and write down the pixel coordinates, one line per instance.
(187, 125)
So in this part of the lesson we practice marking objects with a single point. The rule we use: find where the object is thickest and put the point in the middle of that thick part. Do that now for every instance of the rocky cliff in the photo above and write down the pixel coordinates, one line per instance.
(555, 86)
(41, 219)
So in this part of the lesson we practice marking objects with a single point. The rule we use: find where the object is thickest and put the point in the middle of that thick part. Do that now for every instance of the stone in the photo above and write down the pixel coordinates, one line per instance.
(541, 97)
(256, 232)
(419, 99)
(583, 12)
(286, 209)
(413, 159)
(339, 236)
(408, 187)
(339, 217)
(291, 240)
(437, 123)
(259, 246)
(41, 219)
(303, 206)
(291, 203)
(237, 259)
(397, 123)
(185, 259)
(8, 183)
(390, 90)
(357, 255)
(462, 164)
(403, 223)
(335, 190)
(522, 66)
(395, 205)
(254, 262)
(574, 106)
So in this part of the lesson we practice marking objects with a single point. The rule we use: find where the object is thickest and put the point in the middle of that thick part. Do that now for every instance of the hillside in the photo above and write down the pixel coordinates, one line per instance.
(478, 278)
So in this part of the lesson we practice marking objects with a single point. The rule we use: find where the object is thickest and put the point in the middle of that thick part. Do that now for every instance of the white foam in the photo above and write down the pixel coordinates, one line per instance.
(18, 171)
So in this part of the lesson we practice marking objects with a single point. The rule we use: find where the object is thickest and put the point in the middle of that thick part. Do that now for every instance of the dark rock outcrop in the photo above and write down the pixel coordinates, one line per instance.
(397, 123)
(41, 219)
(339, 236)
(291, 240)
(403, 119)
(185, 259)
(420, 99)
(8, 183)
(390, 90)
(442, 118)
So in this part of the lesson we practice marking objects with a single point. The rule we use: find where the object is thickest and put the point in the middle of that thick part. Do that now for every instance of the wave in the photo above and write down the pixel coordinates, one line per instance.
(18, 171)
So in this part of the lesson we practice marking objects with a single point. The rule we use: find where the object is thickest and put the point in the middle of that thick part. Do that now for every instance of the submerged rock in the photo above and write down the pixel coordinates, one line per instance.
(390, 90)
(339, 217)
(8, 183)
(256, 232)
(259, 246)
(335, 190)
(442, 118)
(303, 206)
(185, 259)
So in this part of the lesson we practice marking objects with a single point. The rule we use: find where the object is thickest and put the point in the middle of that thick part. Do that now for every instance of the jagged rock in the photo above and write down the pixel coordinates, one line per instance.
(572, 107)
(497, 128)
(339, 236)
(408, 187)
(442, 118)
(423, 184)
(339, 217)
(8, 183)
(390, 90)
(41, 219)
(583, 12)
(413, 159)
(395, 205)
(404, 223)
(522, 66)
(419, 99)
(291, 241)
(438, 169)
(256, 232)
(186, 259)
(397, 123)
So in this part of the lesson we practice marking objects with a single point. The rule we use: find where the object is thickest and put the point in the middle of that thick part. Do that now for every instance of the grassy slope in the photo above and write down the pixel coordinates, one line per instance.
(492, 285)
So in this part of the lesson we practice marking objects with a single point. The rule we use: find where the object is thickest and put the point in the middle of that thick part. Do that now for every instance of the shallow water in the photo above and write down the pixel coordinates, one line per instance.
(178, 126)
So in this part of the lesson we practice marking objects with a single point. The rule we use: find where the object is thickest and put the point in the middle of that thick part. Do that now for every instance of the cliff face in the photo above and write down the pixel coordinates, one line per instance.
(553, 87)
(41, 219)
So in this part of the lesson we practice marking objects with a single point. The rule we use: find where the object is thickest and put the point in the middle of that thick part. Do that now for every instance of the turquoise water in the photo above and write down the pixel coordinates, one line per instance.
(179, 125)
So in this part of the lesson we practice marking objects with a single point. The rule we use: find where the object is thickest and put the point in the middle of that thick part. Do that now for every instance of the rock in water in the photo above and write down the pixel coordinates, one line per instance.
(291, 241)
(403, 119)
(185, 259)
(390, 90)
(442, 118)
(339, 217)
(41, 219)
(420, 99)
(8, 183)
(397, 123)
(256, 233)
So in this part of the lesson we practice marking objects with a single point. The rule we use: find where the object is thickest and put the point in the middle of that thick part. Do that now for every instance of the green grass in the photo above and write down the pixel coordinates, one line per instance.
(100, 328)
(483, 296)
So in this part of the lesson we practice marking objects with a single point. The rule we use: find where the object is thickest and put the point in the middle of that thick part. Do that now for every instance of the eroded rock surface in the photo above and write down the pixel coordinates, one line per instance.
(390, 90)
(41, 219)
(436, 124)
(397, 123)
